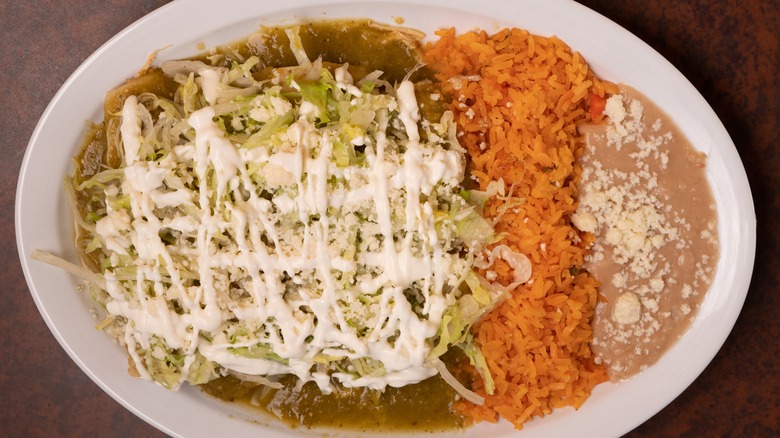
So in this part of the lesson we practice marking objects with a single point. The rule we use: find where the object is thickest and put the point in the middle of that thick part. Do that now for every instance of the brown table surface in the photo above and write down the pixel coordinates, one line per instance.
(730, 50)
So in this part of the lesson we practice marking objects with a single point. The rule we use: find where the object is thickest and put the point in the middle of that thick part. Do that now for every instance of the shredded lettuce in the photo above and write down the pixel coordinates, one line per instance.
(257, 379)
(368, 367)
(188, 95)
(479, 289)
(202, 370)
(242, 70)
(101, 179)
(259, 351)
(344, 153)
(457, 386)
(474, 229)
(76, 270)
(163, 365)
(317, 94)
(296, 45)
(479, 198)
(457, 321)
(476, 358)
(268, 130)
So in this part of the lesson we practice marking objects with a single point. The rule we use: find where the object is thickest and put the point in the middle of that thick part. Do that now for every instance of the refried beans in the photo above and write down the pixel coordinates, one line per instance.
(646, 198)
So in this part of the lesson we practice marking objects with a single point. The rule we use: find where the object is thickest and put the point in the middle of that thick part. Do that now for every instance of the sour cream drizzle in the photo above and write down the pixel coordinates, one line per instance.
(296, 304)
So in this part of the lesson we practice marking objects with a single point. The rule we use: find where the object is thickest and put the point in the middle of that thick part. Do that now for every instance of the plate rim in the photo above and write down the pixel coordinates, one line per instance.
(746, 231)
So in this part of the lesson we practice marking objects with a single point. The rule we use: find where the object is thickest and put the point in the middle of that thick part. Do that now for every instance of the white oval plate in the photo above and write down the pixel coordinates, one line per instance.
(614, 53)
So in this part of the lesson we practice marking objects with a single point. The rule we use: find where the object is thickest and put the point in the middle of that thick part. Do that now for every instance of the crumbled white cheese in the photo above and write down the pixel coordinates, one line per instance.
(619, 280)
(627, 309)
(585, 221)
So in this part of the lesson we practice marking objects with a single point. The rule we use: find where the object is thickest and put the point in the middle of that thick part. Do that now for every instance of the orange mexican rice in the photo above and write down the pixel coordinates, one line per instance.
(518, 99)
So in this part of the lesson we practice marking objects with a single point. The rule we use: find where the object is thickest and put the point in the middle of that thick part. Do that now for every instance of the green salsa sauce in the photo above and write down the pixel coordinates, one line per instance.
(422, 407)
